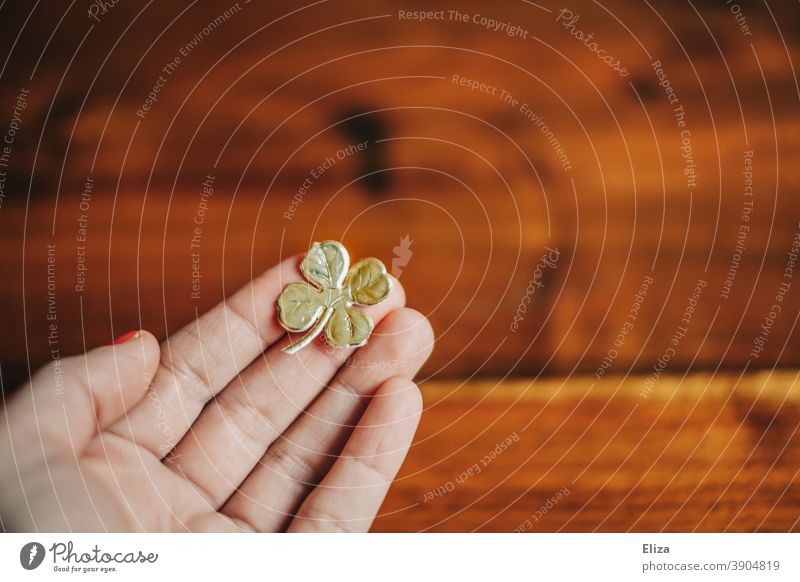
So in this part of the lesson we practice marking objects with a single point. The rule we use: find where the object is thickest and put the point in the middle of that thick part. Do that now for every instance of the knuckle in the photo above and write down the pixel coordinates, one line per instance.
(248, 419)
(291, 463)
(370, 465)
(320, 518)
(233, 308)
(189, 378)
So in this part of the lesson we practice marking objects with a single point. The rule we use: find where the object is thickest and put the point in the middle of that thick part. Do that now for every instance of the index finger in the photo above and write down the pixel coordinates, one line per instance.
(204, 356)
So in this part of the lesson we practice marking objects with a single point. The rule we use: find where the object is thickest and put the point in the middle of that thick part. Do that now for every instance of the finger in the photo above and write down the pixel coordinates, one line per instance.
(235, 430)
(213, 522)
(351, 493)
(204, 356)
(294, 464)
(68, 401)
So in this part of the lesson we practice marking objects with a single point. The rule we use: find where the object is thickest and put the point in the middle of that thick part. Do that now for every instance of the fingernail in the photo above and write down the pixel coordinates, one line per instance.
(125, 337)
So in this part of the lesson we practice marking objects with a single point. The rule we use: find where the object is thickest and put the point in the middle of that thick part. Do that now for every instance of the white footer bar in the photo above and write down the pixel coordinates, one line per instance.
(401, 557)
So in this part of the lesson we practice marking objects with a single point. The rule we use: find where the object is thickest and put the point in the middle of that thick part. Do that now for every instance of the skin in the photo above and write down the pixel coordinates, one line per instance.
(216, 429)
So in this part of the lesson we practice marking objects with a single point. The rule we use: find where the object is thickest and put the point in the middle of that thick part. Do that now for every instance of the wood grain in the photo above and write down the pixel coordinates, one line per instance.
(700, 453)
(464, 173)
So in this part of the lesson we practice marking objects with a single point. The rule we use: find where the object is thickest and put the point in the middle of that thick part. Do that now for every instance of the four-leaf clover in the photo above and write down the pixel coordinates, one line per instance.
(328, 302)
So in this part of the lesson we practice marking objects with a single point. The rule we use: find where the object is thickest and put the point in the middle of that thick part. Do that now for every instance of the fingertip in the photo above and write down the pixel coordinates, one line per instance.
(151, 352)
(136, 357)
(414, 329)
(402, 397)
(422, 329)
(387, 427)
(135, 344)
(398, 292)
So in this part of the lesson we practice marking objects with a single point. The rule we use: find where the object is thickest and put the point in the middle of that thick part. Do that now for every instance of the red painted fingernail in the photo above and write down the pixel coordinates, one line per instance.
(125, 337)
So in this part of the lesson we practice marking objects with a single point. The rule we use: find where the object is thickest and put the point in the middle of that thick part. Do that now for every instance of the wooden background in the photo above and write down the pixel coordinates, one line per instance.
(265, 97)
(706, 453)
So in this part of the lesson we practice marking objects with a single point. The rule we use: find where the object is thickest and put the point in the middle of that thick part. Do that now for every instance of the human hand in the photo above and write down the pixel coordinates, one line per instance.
(216, 429)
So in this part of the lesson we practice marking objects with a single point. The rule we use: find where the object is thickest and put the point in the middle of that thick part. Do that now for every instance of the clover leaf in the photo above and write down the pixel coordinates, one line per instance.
(328, 302)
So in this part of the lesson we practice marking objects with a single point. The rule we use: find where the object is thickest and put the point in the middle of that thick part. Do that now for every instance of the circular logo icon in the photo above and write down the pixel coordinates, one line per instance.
(31, 555)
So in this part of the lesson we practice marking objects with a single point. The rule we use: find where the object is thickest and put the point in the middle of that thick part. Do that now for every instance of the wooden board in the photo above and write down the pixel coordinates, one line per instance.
(699, 453)
(270, 94)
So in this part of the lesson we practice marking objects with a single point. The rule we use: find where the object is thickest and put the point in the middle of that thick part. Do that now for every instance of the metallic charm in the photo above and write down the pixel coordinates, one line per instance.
(328, 302)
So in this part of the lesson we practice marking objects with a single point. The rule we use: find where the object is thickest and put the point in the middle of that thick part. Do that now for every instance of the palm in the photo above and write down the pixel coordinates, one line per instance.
(218, 430)
(152, 496)
(138, 490)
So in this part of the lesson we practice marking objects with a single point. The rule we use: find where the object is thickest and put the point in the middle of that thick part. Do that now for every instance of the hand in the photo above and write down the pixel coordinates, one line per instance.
(216, 429)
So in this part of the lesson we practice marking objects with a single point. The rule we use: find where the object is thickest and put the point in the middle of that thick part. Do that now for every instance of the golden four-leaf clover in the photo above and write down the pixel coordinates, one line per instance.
(328, 302)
